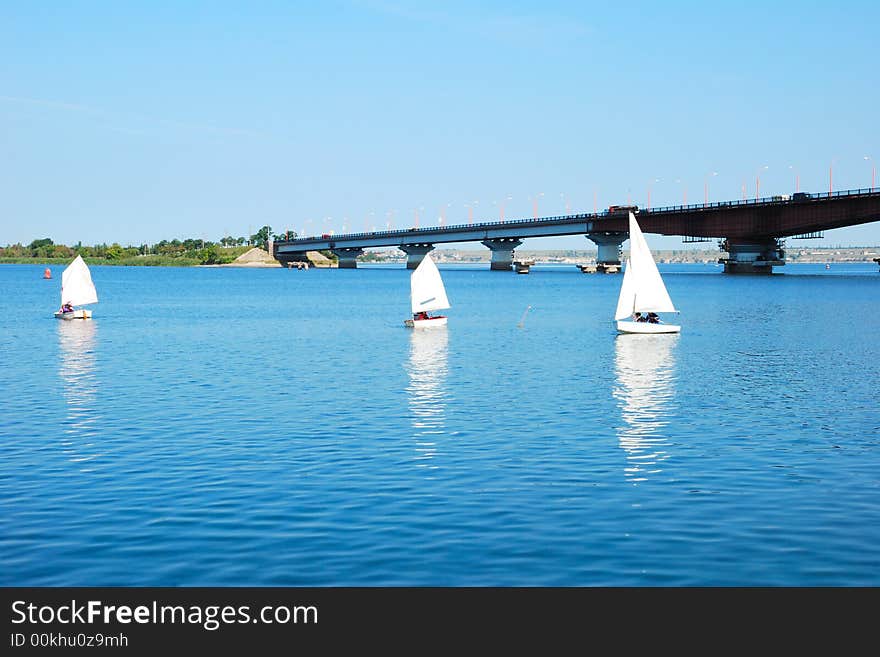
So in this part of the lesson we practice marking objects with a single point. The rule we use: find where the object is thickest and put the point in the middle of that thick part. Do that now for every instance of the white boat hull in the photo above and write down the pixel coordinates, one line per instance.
(425, 323)
(76, 314)
(646, 327)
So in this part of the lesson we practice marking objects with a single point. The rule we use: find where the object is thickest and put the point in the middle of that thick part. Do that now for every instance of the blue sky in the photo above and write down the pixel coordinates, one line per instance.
(136, 122)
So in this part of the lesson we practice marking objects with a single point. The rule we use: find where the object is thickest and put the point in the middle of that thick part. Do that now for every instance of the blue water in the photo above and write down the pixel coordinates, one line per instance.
(274, 427)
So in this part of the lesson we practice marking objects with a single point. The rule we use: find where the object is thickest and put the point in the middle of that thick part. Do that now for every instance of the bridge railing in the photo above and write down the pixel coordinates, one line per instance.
(767, 200)
(429, 230)
(587, 216)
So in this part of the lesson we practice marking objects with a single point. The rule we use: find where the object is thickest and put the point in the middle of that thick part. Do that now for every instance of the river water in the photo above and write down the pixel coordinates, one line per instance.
(219, 426)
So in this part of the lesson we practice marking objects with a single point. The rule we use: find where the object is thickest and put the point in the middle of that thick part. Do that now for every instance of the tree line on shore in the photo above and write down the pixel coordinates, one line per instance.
(178, 252)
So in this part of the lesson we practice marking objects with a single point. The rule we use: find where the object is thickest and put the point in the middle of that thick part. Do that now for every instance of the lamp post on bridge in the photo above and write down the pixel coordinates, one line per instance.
(706, 186)
(500, 206)
(650, 183)
(503, 203)
(684, 191)
(873, 170)
(758, 181)
(535, 204)
(442, 219)
(470, 207)
(797, 178)
(565, 203)
(831, 176)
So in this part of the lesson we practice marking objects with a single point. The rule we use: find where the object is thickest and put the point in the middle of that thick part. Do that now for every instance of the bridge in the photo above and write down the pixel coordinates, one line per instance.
(752, 231)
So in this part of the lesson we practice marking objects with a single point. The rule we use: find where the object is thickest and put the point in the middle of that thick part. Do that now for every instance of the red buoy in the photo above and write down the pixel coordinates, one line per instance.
(47, 273)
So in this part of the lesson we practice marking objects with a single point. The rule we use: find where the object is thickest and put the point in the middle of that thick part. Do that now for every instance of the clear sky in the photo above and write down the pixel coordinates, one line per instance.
(142, 121)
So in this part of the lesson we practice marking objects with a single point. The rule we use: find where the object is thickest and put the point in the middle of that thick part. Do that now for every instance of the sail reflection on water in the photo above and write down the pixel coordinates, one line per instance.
(645, 390)
(427, 396)
(76, 368)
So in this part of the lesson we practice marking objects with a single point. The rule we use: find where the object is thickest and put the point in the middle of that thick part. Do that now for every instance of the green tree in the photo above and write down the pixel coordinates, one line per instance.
(113, 252)
(262, 236)
(210, 255)
(36, 244)
(61, 251)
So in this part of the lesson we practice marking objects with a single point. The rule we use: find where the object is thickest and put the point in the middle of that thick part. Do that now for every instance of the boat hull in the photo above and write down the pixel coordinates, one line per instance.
(76, 314)
(646, 328)
(425, 323)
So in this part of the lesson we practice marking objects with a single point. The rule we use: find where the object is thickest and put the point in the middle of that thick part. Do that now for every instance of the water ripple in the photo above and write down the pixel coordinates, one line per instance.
(246, 431)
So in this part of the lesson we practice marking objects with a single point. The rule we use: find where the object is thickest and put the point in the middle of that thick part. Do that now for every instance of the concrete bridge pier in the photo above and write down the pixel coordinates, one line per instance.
(291, 259)
(348, 257)
(758, 256)
(415, 253)
(502, 252)
(609, 243)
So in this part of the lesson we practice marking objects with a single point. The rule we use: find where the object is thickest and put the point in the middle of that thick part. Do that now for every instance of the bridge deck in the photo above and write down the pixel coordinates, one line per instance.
(735, 220)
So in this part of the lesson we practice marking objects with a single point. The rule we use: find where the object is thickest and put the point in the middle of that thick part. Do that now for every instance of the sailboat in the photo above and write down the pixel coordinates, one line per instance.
(642, 289)
(77, 289)
(426, 293)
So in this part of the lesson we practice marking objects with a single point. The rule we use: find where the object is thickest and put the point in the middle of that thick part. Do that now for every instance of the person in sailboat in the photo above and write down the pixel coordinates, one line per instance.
(638, 317)
(420, 316)
(653, 318)
(66, 307)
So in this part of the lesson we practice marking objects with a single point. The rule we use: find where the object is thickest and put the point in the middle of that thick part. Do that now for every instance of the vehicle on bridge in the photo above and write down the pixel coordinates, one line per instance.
(622, 209)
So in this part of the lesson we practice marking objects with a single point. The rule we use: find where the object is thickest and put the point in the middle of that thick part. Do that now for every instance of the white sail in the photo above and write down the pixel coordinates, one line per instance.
(77, 288)
(627, 298)
(648, 288)
(426, 287)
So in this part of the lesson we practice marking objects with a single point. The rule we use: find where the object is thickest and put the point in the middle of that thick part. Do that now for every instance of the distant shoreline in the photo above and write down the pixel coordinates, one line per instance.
(98, 262)
(249, 265)
(127, 262)
(402, 263)
(816, 255)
